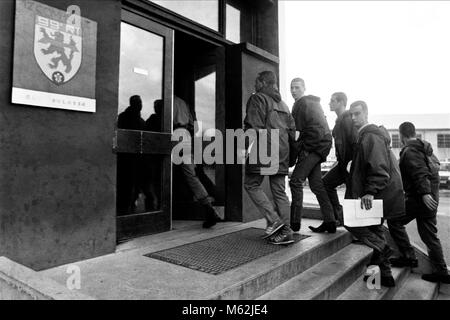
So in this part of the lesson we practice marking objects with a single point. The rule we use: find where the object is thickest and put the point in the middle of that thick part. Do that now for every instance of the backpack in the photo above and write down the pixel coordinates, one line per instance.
(433, 165)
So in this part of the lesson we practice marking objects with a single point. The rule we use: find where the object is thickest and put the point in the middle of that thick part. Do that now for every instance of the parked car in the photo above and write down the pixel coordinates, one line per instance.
(444, 174)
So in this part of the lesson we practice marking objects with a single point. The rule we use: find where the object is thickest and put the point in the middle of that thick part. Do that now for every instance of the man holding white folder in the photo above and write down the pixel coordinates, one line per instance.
(374, 174)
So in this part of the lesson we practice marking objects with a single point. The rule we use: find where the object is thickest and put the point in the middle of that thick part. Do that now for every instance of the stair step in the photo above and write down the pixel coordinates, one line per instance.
(359, 291)
(296, 259)
(414, 288)
(442, 296)
(327, 279)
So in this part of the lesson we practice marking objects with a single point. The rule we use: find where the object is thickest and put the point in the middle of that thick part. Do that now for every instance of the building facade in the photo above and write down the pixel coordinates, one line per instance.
(434, 128)
(65, 172)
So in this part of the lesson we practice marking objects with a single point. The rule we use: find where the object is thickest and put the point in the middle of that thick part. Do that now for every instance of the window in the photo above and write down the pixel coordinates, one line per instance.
(141, 68)
(233, 24)
(443, 140)
(203, 12)
(396, 141)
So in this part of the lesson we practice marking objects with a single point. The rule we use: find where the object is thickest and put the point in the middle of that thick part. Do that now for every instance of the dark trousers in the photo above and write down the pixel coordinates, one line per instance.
(333, 179)
(427, 232)
(278, 187)
(308, 166)
(194, 183)
(373, 237)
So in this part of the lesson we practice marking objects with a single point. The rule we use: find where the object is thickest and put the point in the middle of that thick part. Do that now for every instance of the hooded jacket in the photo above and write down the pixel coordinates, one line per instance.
(345, 136)
(266, 110)
(315, 135)
(417, 177)
(375, 171)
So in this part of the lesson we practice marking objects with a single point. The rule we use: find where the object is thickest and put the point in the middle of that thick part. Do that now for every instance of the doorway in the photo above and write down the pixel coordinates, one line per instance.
(199, 78)
(157, 63)
(143, 134)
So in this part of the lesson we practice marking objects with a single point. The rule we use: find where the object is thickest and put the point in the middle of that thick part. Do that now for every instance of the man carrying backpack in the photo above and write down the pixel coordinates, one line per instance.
(420, 175)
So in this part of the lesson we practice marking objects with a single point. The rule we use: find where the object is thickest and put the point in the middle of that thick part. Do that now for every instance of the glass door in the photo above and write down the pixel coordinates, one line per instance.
(143, 134)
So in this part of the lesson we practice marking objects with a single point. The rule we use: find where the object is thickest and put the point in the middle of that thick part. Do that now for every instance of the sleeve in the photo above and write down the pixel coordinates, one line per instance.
(415, 164)
(377, 164)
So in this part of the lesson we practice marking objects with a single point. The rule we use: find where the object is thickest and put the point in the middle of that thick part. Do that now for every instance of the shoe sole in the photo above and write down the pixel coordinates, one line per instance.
(273, 231)
(318, 231)
(284, 242)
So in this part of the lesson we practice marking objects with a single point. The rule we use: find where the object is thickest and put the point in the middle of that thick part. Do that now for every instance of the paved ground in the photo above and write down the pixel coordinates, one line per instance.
(443, 219)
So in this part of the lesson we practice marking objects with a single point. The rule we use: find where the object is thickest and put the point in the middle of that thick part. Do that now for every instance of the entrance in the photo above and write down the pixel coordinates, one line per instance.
(143, 135)
(199, 78)
(157, 63)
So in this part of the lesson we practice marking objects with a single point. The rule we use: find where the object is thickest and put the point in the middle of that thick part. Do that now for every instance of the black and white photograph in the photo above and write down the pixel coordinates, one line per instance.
(252, 152)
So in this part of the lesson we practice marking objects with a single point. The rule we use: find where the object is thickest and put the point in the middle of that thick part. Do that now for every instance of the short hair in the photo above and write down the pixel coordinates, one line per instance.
(134, 99)
(360, 103)
(298, 80)
(268, 77)
(407, 130)
(340, 97)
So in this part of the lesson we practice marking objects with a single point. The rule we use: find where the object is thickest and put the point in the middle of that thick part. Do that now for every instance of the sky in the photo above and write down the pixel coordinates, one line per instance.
(395, 55)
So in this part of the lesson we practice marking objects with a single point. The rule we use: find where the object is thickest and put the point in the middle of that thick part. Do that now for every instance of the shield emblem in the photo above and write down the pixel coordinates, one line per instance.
(57, 48)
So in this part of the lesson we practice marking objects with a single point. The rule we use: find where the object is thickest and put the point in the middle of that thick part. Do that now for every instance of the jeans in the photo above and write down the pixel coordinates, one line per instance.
(373, 237)
(333, 179)
(427, 232)
(194, 183)
(308, 166)
(253, 183)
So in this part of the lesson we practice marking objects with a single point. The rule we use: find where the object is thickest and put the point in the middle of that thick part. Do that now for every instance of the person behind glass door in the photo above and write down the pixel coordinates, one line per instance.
(151, 181)
(129, 165)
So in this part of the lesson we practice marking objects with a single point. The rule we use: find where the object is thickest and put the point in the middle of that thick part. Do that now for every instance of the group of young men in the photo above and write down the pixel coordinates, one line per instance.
(365, 163)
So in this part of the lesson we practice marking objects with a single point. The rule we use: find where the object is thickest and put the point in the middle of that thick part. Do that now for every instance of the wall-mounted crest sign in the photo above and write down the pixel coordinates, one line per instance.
(54, 57)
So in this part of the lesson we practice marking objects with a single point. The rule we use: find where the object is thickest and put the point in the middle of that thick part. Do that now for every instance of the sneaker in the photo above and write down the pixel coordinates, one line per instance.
(283, 237)
(271, 229)
(401, 262)
(434, 277)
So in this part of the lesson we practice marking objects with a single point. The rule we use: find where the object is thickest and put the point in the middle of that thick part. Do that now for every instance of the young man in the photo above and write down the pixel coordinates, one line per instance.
(374, 174)
(314, 146)
(266, 111)
(184, 118)
(344, 134)
(422, 197)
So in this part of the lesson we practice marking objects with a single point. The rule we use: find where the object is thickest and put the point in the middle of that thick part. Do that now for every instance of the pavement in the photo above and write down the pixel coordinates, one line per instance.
(128, 274)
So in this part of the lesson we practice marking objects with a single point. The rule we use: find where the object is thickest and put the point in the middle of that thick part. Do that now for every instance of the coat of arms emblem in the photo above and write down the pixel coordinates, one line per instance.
(58, 47)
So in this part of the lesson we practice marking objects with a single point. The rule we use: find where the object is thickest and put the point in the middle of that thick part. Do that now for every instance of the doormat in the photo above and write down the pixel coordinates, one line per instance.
(221, 253)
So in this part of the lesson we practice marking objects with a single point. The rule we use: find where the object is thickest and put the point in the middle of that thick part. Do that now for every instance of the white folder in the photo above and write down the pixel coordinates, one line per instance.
(354, 216)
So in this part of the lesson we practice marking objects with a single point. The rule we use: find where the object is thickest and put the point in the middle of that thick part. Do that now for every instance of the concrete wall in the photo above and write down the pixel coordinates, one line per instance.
(57, 170)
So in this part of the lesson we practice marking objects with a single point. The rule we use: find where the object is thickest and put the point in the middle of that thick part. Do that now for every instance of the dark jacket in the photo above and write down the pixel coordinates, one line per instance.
(315, 135)
(130, 119)
(417, 178)
(375, 171)
(266, 110)
(345, 136)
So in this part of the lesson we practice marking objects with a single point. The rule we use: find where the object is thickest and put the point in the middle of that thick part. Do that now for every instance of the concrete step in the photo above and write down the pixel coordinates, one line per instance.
(294, 262)
(359, 290)
(327, 279)
(414, 288)
(442, 296)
